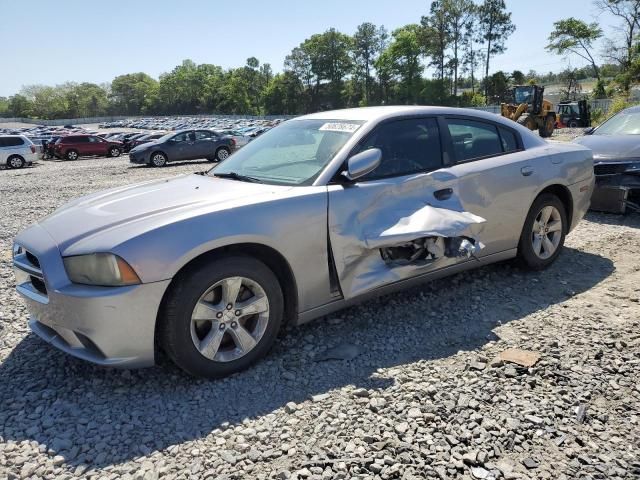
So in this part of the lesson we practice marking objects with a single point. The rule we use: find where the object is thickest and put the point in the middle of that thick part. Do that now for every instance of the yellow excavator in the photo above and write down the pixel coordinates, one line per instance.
(530, 109)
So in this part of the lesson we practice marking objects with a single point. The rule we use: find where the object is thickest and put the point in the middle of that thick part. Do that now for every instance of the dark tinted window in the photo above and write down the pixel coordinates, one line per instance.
(408, 146)
(473, 139)
(11, 141)
(95, 140)
(509, 140)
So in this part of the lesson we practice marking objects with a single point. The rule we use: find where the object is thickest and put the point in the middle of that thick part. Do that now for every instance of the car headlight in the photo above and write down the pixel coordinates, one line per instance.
(100, 269)
(632, 167)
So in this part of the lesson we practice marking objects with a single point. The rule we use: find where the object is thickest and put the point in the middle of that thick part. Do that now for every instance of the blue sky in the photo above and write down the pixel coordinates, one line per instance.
(50, 42)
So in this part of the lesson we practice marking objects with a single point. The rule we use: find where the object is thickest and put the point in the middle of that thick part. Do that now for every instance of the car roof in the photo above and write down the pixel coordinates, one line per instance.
(375, 114)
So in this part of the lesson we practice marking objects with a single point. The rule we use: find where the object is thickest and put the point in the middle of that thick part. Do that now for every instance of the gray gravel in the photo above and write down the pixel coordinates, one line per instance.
(419, 395)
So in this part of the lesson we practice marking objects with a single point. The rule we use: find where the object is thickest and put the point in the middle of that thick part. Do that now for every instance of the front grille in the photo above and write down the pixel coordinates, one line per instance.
(610, 168)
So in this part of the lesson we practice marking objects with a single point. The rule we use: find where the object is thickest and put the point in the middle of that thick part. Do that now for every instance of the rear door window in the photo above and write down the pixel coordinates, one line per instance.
(509, 140)
(474, 139)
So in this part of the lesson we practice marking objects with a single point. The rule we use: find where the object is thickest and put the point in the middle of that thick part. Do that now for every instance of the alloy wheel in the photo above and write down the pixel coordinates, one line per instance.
(15, 162)
(547, 232)
(229, 319)
(223, 154)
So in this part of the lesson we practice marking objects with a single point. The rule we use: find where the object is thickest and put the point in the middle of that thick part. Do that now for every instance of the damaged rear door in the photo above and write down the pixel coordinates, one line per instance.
(404, 219)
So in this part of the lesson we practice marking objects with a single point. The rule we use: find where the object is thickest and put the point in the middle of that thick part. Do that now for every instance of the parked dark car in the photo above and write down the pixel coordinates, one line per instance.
(183, 145)
(145, 138)
(616, 157)
(127, 143)
(73, 146)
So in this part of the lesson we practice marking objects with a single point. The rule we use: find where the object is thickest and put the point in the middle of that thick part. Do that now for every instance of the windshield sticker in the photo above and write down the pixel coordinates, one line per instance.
(339, 127)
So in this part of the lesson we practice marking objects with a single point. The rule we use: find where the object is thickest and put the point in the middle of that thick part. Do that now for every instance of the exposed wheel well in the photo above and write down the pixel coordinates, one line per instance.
(267, 255)
(564, 195)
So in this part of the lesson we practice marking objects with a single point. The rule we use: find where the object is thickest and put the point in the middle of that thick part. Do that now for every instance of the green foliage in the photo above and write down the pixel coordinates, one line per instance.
(573, 36)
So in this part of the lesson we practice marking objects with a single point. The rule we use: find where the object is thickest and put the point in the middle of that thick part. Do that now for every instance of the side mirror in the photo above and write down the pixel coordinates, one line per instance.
(363, 163)
(588, 131)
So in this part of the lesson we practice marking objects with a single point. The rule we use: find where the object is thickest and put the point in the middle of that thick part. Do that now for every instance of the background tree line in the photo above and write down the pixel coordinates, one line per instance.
(455, 42)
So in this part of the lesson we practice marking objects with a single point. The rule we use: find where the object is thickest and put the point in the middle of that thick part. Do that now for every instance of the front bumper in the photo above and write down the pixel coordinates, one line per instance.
(111, 326)
(139, 157)
(617, 186)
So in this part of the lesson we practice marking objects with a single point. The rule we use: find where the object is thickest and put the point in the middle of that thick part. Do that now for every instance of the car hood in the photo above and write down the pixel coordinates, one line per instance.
(144, 206)
(145, 145)
(612, 147)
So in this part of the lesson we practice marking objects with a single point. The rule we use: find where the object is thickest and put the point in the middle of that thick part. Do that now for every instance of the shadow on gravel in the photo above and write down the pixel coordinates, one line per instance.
(101, 417)
(629, 220)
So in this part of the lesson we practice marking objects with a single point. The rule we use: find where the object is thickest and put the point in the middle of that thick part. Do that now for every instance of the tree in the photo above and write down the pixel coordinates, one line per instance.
(403, 57)
(368, 42)
(19, 106)
(435, 35)
(282, 95)
(497, 87)
(518, 77)
(495, 27)
(576, 37)
(459, 15)
(628, 11)
(131, 93)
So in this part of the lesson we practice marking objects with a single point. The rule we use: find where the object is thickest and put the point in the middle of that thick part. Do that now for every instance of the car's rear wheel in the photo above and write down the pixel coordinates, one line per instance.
(222, 154)
(221, 317)
(15, 161)
(71, 155)
(114, 152)
(544, 232)
(572, 124)
(158, 159)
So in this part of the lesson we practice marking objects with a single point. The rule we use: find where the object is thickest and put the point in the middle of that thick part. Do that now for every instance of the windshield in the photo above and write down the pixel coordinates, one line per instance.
(524, 94)
(293, 153)
(624, 123)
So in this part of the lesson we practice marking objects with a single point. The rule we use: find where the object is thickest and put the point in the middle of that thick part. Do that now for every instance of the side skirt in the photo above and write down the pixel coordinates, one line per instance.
(331, 307)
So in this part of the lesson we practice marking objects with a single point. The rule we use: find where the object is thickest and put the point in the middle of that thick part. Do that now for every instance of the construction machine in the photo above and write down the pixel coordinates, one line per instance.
(529, 108)
(574, 114)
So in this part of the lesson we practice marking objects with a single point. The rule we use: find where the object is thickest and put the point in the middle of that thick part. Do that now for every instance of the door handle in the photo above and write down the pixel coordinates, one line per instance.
(526, 171)
(444, 194)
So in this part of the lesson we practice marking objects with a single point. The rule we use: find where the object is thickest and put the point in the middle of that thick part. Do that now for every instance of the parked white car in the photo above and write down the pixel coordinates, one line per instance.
(16, 151)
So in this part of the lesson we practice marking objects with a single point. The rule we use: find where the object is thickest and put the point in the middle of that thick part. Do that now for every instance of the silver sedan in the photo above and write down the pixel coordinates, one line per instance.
(319, 213)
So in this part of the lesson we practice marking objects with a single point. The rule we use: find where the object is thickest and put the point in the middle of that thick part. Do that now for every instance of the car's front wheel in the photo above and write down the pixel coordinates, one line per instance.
(221, 317)
(158, 159)
(114, 152)
(544, 232)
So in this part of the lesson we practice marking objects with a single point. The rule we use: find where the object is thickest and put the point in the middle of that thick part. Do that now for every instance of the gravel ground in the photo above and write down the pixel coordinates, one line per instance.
(423, 395)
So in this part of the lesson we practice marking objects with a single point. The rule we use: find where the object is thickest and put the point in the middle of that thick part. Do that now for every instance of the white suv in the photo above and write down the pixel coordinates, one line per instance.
(16, 151)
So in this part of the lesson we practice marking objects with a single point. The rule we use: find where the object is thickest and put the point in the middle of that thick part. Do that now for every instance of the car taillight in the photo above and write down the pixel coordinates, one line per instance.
(33, 149)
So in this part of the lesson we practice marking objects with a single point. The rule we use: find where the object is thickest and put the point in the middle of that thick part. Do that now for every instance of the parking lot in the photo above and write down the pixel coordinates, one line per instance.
(418, 393)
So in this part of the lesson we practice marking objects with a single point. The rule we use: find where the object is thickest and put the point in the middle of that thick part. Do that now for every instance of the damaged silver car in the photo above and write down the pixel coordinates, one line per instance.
(319, 213)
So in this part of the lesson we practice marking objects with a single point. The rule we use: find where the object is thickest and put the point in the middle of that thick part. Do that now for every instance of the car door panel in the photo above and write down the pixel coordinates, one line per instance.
(367, 218)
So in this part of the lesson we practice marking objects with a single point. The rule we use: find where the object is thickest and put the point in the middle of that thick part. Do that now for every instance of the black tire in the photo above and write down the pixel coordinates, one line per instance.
(526, 254)
(175, 318)
(15, 161)
(546, 130)
(222, 154)
(158, 159)
(572, 124)
(114, 152)
(71, 155)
